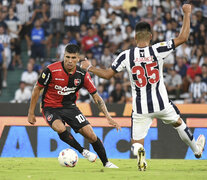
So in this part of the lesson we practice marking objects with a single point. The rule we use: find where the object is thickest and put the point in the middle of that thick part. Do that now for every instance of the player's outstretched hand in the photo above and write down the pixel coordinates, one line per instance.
(31, 119)
(85, 64)
(114, 124)
(186, 8)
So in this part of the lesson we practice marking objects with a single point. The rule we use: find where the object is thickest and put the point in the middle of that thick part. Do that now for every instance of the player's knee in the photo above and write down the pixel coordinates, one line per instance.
(135, 147)
(59, 129)
(92, 138)
(178, 123)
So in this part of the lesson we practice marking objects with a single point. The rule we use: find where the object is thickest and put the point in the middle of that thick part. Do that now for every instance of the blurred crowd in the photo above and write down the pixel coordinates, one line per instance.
(102, 28)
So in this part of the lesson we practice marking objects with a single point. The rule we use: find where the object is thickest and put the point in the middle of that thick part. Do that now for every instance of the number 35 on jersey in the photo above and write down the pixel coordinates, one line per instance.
(147, 73)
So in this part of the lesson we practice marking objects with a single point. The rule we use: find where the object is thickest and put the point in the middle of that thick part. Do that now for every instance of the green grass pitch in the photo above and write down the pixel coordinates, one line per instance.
(49, 169)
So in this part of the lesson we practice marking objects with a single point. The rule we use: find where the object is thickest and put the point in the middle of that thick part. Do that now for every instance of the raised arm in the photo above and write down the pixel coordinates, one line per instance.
(103, 73)
(185, 30)
(35, 96)
(102, 107)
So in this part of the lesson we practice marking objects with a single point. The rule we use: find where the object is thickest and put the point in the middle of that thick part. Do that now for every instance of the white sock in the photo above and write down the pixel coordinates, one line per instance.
(135, 148)
(187, 137)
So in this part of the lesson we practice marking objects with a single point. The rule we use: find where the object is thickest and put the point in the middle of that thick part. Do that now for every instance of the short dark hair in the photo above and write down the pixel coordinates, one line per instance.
(72, 48)
(204, 65)
(199, 75)
(143, 26)
(20, 82)
(133, 9)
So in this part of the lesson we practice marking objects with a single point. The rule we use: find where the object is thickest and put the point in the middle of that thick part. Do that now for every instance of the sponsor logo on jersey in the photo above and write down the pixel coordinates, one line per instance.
(162, 44)
(65, 90)
(56, 70)
(142, 54)
(48, 76)
(77, 82)
(59, 79)
(49, 117)
(43, 75)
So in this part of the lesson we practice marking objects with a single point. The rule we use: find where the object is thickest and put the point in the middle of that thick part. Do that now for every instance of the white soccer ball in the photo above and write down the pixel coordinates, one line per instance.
(68, 158)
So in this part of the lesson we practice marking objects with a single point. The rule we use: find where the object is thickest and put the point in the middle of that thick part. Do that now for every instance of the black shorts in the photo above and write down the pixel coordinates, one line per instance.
(26, 30)
(72, 116)
(38, 51)
(72, 29)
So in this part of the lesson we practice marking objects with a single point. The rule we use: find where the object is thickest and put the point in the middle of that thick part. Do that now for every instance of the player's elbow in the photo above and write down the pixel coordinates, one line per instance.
(180, 40)
(183, 39)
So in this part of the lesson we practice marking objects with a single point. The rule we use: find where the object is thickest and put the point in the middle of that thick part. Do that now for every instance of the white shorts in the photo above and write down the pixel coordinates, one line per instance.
(142, 122)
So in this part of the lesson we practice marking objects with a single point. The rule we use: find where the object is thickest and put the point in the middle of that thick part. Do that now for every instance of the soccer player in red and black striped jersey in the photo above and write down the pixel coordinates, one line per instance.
(61, 82)
(144, 64)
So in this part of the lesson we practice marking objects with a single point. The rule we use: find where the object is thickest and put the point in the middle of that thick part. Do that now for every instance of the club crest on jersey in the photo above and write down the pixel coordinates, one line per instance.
(77, 82)
(49, 118)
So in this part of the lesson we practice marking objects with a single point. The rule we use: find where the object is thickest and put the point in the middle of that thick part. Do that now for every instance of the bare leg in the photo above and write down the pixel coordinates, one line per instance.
(141, 141)
(88, 133)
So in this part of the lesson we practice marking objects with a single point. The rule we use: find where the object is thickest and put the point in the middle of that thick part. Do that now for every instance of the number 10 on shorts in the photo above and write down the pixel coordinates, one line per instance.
(80, 118)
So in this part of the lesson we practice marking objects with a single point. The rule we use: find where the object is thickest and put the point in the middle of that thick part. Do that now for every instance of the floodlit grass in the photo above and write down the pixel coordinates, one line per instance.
(49, 169)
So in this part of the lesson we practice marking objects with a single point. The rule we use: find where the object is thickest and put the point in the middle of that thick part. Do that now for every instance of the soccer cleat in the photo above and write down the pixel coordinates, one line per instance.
(111, 165)
(201, 141)
(89, 155)
(141, 161)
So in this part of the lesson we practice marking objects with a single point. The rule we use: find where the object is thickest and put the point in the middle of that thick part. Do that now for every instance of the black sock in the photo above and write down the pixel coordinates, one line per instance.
(100, 150)
(68, 138)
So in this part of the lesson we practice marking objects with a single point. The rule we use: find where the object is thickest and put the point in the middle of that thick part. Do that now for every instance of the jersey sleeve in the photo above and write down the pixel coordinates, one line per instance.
(164, 48)
(119, 63)
(44, 78)
(88, 84)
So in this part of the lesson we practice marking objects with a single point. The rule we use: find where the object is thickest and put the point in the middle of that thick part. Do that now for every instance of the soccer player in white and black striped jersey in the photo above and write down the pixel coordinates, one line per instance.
(197, 91)
(144, 64)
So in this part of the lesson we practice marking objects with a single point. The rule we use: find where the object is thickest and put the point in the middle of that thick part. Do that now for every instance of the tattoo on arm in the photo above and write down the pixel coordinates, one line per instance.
(102, 107)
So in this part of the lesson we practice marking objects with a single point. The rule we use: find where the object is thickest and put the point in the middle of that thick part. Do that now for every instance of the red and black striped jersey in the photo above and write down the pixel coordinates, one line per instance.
(61, 88)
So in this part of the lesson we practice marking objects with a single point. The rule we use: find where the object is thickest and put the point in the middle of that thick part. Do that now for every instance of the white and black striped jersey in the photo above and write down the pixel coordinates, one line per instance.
(72, 20)
(145, 69)
(198, 89)
(23, 13)
(56, 9)
(5, 39)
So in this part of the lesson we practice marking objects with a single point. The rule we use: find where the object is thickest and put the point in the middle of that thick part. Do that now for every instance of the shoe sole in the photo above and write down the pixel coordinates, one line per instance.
(112, 166)
(141, 160)
(200, 155)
